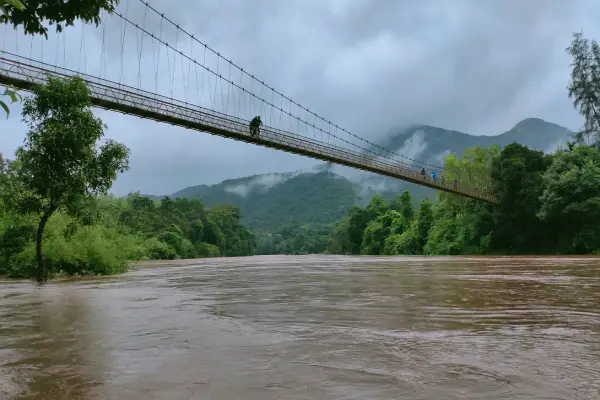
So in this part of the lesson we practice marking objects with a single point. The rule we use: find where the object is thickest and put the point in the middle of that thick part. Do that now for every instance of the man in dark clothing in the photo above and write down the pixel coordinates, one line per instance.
(255, 126)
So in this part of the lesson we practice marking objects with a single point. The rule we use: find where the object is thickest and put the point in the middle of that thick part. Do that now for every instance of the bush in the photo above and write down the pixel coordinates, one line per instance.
(157, 250)
(207, 250)
(182, 245)
(90, 250)
(15, 234)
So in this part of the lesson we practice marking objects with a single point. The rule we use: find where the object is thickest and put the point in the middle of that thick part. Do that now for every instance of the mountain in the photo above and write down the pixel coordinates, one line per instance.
(323, 195)
(431, 145)
(273, 201)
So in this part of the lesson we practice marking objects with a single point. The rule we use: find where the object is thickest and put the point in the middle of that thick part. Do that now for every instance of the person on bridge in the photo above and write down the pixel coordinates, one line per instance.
(433, 176)
(423, 173)
(255, 126)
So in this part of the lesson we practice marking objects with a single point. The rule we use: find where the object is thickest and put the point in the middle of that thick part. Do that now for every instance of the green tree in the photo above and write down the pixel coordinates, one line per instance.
(404, 205)
(341, 242)
(36, 13)
(237, 240)
(14, 97)
(296, 239)
(518, 171)
(570, 200)
(16, 4)
(358, 219)
(473, 169)
(377, 231)
(63, 164)
(584, 87)
(424, 222)
(139, 215)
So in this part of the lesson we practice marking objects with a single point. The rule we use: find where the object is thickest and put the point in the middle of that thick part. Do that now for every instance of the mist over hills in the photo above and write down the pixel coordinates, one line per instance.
(323, 194)
(432, 145)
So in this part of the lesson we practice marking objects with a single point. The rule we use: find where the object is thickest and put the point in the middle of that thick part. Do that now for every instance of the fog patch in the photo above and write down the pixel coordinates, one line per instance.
(440, 158)
(264, 183)
(261, 183)
(414, 146)
(552, 147)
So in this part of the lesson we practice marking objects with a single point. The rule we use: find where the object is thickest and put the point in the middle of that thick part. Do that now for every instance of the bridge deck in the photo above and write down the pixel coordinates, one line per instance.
(25, 74)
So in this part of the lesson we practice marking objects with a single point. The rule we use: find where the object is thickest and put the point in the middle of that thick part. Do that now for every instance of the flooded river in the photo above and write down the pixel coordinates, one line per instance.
(316, 327)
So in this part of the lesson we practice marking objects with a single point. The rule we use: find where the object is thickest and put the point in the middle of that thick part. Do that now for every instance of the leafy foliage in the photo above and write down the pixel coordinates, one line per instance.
(14, 97)
(187, 228)
(299, 239)
(16, 4)
(53, 12)
(584, 87)
(570, 199)
(63, 164)
(518, 185)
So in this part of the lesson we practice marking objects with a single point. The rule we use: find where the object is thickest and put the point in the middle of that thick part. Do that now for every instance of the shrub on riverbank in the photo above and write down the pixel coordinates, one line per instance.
(131, 229)
(89, 250)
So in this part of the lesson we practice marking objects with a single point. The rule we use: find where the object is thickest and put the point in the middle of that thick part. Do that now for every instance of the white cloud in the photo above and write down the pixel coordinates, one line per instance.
(261, 183)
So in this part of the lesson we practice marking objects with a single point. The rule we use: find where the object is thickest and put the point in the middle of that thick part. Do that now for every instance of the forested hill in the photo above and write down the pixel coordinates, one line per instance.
(273, 201)
(431, 144)
(276, 200)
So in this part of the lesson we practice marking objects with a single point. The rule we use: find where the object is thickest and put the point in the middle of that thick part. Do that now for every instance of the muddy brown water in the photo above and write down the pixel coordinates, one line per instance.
(309, 327)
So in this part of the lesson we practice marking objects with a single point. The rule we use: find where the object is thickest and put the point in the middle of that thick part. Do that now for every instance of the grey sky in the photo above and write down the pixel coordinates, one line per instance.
(476, 66)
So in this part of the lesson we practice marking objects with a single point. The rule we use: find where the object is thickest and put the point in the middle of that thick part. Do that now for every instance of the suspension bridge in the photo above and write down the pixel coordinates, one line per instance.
(146, 65)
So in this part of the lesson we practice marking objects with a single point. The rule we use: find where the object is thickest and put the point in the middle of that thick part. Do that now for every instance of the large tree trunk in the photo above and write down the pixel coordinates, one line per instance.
(42, 271)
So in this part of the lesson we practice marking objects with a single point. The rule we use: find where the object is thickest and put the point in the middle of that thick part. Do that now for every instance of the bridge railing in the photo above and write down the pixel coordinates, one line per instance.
(26, 73)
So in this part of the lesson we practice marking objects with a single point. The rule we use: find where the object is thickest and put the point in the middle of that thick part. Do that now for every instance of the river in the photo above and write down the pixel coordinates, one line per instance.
(309, 327)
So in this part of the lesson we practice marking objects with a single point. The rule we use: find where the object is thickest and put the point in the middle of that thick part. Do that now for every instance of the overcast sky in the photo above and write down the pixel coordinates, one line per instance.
(477, 66)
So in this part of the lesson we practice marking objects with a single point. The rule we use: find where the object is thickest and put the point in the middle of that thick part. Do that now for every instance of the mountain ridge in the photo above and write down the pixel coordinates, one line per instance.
(323, 194)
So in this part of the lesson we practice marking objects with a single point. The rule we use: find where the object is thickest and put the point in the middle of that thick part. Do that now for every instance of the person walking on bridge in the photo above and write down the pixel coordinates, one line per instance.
(423, 173)
(255, 126)
(433, 176)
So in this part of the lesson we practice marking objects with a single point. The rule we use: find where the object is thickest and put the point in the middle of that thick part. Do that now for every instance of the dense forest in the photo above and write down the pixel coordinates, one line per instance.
(548, 204)
(56, 216)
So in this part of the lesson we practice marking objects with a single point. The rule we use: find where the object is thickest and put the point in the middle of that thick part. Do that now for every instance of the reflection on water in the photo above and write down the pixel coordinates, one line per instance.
(317, 327)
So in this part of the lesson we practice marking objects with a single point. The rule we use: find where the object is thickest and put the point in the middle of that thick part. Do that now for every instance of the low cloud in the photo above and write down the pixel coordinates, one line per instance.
(262, 184)
(552, 147)
(414, 146)
(440, 158)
